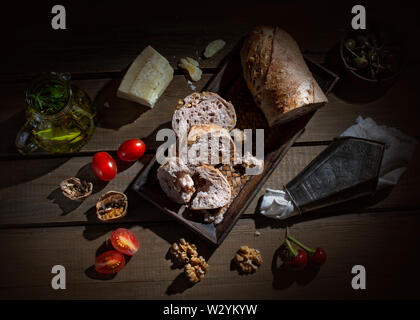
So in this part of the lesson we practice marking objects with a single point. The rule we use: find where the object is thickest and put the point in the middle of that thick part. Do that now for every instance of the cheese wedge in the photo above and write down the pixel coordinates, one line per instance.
(147, 78)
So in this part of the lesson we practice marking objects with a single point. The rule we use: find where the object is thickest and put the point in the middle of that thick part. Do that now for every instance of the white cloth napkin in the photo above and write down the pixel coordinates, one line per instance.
(399, 149)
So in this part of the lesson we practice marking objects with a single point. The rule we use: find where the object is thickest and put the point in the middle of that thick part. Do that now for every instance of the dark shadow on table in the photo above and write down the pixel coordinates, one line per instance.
(66, 205)
(150, 140)
(172, 234)
(353, 206)
(21, 171)
(284, 276)
(113, 112)
(10, 127)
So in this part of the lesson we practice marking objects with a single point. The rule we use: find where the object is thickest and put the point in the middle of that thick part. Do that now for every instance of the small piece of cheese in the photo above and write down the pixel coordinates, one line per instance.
(147, 78)
(214, 47)
(191, 66)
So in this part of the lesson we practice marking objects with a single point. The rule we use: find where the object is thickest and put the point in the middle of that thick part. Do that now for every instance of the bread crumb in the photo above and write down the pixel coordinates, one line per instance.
(257, 233)
(192, 87)
(191, 66)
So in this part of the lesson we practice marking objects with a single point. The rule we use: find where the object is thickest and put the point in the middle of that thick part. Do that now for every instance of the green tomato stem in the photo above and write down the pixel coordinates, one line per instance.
(292, 250)
(307, 249)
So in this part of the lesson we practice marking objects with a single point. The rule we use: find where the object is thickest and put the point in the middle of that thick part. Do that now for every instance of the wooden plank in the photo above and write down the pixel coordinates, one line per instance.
(120, 121)
(107, 38)
(402, 196)
(368, 240)
(397, 108)
(124, 120)
(30, 196)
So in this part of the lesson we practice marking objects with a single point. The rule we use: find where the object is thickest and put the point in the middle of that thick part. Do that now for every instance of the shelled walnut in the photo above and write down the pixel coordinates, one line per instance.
(183, 251)
(186, 253)
(76, 189)
(248, 260)
(111, 205)
(196, 269)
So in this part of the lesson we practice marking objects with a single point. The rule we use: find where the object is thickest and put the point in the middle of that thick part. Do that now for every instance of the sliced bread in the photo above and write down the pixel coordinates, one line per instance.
(213, 190)
(202, 108)
(209, 144)
(176, 181)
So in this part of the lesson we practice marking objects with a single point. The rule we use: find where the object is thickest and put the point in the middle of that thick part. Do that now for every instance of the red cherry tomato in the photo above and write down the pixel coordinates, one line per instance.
(319, 257)
(131, 150)
(124, 241)
(109, 262)
(299, 261)
(104, 166)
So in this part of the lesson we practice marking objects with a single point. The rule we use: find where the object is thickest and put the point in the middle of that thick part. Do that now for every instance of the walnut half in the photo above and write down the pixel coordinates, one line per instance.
(183, 251)
(111, 205)
(76, 189)
(186, 253)
(248, 260)
(196, 269)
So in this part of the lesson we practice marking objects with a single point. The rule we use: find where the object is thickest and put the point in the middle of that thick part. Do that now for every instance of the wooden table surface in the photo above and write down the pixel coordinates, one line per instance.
(39, 228)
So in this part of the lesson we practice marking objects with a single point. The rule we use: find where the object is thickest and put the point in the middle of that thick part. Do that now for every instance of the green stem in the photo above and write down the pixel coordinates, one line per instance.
(301, 244)
(292, 250)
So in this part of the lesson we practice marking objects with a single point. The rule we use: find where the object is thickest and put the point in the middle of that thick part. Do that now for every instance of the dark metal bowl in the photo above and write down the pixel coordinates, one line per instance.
(354, 86)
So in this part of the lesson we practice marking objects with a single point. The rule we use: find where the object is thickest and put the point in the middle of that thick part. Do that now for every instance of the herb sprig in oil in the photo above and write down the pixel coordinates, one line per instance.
(49, 99)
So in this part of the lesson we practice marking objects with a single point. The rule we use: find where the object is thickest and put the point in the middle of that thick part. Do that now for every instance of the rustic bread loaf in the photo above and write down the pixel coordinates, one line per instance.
(202, 108)
(213, 190)
(277, 75)
(175, 180)
(209, 144)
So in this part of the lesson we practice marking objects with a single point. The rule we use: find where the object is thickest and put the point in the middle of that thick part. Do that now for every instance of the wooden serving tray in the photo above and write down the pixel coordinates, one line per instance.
(229, 84)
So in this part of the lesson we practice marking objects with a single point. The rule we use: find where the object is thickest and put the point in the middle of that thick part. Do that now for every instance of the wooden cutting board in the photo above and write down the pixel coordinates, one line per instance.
(229, 84)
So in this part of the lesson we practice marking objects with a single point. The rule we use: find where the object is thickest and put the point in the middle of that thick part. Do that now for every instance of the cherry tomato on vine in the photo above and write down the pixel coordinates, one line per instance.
(124, 241)
(318, 257)
(131, 150)
(109, 262)
(104, 166)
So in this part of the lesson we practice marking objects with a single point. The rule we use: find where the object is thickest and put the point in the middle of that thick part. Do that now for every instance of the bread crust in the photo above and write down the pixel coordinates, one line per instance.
(284, 88)
(176, 181)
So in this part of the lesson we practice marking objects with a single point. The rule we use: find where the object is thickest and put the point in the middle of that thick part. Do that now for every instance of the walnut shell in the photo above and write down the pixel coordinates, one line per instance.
(111, 205)
(76, 189)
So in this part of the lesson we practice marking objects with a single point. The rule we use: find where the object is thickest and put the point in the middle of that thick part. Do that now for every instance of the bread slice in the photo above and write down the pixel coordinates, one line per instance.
(202, 108)
(209, 144)
(278, 77)
(213, 190)
(176, 181)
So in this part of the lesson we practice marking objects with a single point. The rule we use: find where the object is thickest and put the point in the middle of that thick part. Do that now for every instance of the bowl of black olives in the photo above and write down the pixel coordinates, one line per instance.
(372, 61)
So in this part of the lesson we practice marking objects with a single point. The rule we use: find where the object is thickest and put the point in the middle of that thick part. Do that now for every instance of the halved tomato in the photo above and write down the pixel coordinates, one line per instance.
(124, 241)
(109, 262)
